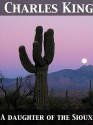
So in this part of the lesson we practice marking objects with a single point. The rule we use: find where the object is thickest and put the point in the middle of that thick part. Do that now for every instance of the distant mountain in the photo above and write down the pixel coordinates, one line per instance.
(69, 79)
(66, 79)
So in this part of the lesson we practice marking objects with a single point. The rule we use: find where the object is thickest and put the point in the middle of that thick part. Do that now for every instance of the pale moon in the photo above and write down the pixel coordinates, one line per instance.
(84, 61)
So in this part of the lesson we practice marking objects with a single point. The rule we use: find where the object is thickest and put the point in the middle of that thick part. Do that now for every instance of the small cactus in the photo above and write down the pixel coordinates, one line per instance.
(90, 86)
(18, 84)
(41, 64)
(66, 96)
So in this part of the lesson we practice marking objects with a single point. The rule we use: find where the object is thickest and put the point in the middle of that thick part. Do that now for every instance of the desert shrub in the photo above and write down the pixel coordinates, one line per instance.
(63, 104)
(88, 101)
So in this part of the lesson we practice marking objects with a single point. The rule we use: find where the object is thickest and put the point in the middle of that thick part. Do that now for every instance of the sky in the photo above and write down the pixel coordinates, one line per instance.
(73, 37)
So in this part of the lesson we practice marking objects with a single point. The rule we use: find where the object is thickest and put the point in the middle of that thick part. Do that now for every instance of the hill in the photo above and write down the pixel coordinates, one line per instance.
(67, 79)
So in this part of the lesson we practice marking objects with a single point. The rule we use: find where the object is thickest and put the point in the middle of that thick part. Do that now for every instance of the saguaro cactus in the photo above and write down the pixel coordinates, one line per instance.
(18, 84)
(41, 64)
(90, 86)
(66, 96)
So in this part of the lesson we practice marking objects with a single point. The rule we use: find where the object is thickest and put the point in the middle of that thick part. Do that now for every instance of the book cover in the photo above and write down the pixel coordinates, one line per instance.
(46, 65)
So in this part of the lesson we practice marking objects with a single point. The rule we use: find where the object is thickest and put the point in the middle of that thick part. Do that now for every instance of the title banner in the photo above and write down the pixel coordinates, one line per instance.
(46, 7)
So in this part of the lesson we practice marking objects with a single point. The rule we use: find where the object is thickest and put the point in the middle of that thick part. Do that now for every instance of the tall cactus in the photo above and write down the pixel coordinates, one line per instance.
(41, 64)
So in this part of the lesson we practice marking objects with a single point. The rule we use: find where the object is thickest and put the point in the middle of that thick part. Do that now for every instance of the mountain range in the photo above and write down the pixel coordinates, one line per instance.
(67, 79)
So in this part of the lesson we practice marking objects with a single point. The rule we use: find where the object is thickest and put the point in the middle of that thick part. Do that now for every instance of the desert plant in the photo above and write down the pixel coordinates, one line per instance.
(90, 86)
(66, 96)
(88, 101)
(41, 65)
(14, 98)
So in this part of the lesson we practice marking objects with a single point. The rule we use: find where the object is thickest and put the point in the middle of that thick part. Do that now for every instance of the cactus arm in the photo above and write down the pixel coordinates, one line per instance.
(25, 60)
(37, 47)
(49, 46)
(37, 55)
(38, 36)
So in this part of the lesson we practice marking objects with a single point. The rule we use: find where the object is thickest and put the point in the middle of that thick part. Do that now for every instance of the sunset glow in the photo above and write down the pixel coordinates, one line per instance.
(73, 40)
